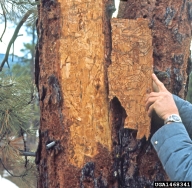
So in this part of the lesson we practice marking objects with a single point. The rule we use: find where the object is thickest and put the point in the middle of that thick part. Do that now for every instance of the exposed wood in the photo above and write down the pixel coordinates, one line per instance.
(129, 75)
(82, 53)
(170, 22)
(71, 73)
(135, 162)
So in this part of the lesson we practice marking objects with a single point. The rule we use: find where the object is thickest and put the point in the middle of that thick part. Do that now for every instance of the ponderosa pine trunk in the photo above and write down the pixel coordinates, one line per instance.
(91, 146)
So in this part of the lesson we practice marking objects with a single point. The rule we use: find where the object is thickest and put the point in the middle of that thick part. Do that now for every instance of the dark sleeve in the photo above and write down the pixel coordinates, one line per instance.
(174, 150)
(185, 111)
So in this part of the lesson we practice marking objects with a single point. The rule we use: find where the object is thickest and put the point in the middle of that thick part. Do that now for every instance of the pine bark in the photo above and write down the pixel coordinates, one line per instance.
(170, 22)
(73, 56)
(71, 61)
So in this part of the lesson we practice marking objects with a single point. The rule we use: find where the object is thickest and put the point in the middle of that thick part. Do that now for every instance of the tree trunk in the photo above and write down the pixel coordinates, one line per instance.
(82, 138)
(71, 61)
(170, 22)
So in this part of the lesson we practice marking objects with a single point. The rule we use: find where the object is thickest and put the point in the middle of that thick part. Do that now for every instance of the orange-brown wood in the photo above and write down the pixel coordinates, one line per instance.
(129, 74)
(82, 53)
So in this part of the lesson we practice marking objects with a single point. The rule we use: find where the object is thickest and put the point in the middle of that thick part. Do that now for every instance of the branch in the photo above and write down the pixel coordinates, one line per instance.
(13, 51)
(3, 135)
(15, 34)
(25, 147)
(5, 23)
(27, 153)
(9, 85)
(21, 3)
(32, 98)
(35, 3)
(22, 175)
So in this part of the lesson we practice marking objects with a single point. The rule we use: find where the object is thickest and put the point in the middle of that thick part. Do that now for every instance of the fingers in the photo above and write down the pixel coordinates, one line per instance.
(149, 102)
(155, 87)
(150, 110)
(159, 84)
(152, 94)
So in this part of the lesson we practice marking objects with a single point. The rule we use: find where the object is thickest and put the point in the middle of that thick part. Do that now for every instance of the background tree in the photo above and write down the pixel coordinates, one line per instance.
(19, 106)
(29, 48)
(16, 112)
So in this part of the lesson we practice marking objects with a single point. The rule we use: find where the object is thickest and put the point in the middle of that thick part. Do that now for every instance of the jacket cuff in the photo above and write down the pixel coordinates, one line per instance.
(167, 140)
(173, 146)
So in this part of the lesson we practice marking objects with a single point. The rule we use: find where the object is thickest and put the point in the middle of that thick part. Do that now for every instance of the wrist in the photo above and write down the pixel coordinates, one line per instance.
(173, 118)
(169, 114)
(169, 122)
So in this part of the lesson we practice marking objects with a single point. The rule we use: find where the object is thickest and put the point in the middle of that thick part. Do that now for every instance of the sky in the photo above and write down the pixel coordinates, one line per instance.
(18, 45)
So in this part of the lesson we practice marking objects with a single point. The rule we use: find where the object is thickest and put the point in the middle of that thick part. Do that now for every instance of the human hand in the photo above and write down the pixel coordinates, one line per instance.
(161, 102)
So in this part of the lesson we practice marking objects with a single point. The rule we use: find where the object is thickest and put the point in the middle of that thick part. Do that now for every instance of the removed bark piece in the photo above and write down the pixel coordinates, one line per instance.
(129, 74)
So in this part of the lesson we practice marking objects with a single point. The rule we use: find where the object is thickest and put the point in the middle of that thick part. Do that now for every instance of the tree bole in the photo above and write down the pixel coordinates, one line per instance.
(92, 148)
